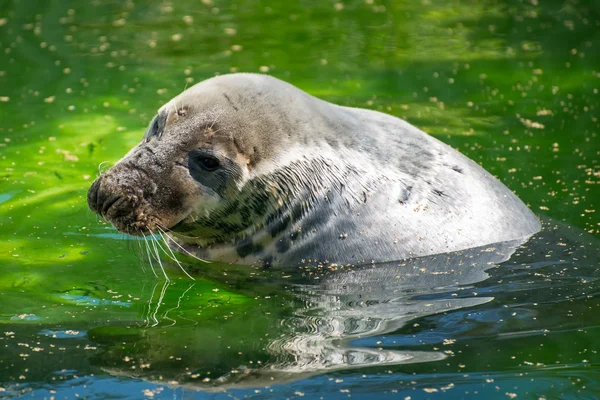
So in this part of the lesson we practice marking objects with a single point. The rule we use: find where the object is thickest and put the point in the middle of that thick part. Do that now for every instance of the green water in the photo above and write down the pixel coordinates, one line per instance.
(512, 84)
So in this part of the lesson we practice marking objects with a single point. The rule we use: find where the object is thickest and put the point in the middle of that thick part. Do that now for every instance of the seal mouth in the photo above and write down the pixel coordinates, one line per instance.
(127, 212)
(183, 225)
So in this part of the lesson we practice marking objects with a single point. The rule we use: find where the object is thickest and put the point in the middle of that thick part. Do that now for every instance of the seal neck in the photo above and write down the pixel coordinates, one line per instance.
(273, 202)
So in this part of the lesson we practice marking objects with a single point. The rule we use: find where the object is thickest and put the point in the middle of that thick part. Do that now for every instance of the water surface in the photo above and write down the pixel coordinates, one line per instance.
(512, 84)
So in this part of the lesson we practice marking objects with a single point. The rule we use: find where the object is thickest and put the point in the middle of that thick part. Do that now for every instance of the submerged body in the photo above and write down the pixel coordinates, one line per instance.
(248, 169)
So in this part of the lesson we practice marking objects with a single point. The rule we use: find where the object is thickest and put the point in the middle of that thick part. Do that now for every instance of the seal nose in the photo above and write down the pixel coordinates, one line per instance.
(99, 200)
(93, 196)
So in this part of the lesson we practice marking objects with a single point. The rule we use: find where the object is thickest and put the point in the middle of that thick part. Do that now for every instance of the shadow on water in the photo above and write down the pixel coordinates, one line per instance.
(443, 309)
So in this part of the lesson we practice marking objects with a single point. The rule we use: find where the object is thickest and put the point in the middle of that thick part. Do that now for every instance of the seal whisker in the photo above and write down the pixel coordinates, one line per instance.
(149, 256)
(219, 130)
(216, 119)
(99, 171)
(139, 245)
(157, 255)
(166, 231)
(166, 249)
(175, 107)
(183, 249)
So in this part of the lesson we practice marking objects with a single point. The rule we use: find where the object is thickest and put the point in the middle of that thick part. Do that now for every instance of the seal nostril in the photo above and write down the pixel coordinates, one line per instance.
(93, 196)
(110, 202)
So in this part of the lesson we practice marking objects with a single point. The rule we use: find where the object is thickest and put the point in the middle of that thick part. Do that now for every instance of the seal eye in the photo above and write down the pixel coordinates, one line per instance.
(208, 163)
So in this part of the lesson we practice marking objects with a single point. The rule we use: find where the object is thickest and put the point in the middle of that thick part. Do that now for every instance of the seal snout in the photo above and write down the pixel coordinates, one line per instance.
(120, 205)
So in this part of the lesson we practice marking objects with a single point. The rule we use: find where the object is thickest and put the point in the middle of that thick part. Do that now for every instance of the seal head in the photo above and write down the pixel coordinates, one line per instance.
(246, 168)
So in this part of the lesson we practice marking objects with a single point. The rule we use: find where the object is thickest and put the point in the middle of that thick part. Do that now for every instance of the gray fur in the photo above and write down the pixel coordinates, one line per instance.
(352, 185)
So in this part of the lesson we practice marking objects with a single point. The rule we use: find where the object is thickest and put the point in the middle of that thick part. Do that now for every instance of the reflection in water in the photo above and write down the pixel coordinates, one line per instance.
(152, 312)
(325, 312)
(343, 306)
(507, 305)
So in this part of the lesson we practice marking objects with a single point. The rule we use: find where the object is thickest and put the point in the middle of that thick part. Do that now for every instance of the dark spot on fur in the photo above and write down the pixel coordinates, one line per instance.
(315, 219)
(283, 245)
(231, 102)
(267, 261)
(458, 169)
(245, 213)
(405, 195)
(257, 205)
(438, 192)
(246, 247)
(146, 148)
(279, 225)
(227, 228)
(296, 212)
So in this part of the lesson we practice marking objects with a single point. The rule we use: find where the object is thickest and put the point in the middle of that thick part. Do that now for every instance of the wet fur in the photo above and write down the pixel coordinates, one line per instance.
(302, 179)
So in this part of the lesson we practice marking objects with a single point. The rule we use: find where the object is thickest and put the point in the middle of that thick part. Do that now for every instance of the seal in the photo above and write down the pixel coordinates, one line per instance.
(248, 169)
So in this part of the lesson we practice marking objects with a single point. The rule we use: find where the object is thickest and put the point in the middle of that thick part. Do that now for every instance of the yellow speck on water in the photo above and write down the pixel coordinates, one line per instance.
(188, 19)
(176, 37)
(50, 99)
(230, 31)
(264, 68)
(531, 124)
(339, 6)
